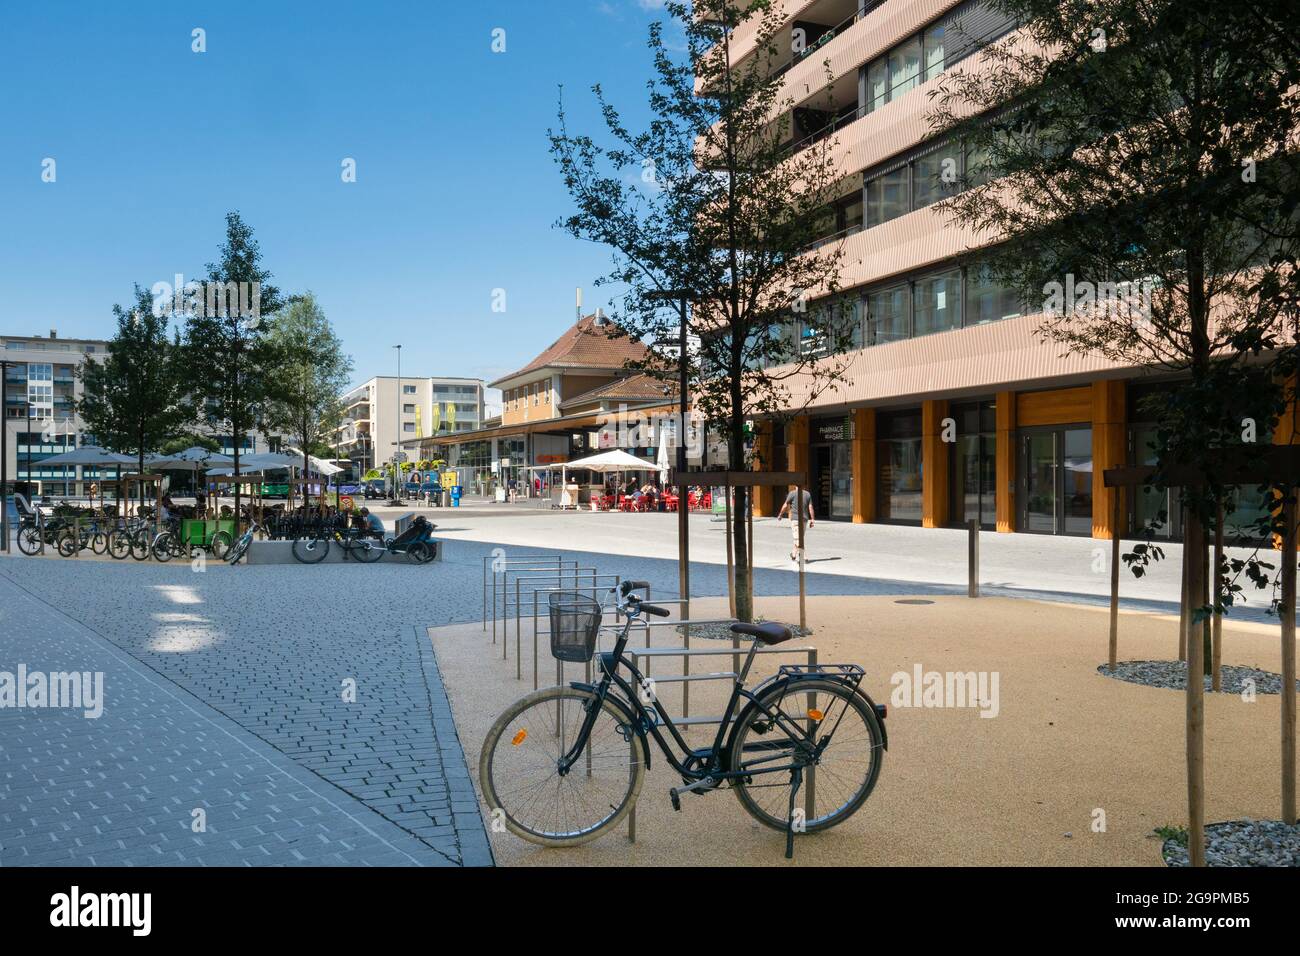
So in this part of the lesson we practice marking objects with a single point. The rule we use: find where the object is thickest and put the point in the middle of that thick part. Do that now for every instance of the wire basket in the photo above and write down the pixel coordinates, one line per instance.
(575, 621)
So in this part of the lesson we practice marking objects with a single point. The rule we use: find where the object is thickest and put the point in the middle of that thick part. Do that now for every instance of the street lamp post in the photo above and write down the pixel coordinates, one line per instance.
(397, 437)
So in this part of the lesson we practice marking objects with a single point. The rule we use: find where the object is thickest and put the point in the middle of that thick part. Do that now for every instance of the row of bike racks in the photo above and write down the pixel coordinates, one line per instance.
(511, 584)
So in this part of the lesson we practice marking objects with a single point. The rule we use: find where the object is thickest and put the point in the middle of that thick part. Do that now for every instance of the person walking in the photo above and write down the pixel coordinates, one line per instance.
(793, 510)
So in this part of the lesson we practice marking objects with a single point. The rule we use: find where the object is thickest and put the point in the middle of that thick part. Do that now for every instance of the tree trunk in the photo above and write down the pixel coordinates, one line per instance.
(1194, 544)
(739, 529)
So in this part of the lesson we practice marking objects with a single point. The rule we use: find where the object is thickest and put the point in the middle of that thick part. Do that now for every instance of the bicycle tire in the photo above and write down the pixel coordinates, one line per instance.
(141, 546)
(505, 769)
(419, 553)
(119, 545)
(67, 544)
(367, 551)
(220, 545)
(311, 550)
(161, 547)
(99, 542)
(838, 783)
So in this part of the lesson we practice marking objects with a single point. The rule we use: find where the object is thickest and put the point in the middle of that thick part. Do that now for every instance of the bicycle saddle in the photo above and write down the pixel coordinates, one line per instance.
(768, 632)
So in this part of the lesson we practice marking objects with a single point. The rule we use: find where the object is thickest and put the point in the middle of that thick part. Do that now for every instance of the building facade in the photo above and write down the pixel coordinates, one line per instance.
(385, 411)
(563, 405)
(953, 409)
(40, 419)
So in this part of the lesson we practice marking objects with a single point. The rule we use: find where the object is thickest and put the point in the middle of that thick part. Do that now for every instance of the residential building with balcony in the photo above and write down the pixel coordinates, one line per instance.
(385, 411)
(41, 389)
(953, 409)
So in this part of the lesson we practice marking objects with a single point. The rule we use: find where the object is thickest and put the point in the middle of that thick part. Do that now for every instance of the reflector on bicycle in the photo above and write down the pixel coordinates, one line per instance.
(519, 738)
(815, 714)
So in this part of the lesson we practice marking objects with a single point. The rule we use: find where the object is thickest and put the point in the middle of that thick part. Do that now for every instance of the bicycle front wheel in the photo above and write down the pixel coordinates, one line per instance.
(68, 544)
(99, 542)
(842, 777)
(311, 550)
(162, 547)
(519, 768)
(140, 545)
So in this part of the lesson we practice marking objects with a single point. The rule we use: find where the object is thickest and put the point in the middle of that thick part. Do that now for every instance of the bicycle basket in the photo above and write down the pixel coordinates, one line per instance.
(575, 621)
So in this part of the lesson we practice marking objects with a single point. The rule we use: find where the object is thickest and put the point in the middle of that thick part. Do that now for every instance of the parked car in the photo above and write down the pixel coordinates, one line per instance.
(376, 488)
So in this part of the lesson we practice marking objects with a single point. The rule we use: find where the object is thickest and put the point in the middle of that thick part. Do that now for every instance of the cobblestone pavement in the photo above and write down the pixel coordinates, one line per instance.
(126, 788)
(265, 652)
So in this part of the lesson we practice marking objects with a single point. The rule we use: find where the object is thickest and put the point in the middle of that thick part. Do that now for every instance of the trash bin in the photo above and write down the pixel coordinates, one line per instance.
(455, 495)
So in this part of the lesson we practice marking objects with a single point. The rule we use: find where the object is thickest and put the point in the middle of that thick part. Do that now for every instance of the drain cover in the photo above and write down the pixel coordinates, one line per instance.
(913, 601)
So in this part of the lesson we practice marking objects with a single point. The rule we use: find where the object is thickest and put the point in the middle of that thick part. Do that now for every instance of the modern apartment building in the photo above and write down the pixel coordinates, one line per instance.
(953, 409)
(40, 419)
(384, 411)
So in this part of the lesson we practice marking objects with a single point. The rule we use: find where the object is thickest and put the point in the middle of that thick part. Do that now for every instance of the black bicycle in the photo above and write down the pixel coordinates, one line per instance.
(311, 548)
(565, 764)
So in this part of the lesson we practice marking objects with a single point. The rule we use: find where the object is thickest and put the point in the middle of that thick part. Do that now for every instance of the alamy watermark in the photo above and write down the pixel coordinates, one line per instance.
(76, 690)
(1083, 297)
(948, 689)
(625, 429)
(208, 299)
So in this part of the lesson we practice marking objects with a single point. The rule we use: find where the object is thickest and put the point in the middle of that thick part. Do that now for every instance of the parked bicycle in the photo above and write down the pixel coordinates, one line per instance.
(243, 544)
(312, 548)
(132, 539)
(77, 537)
(566, 764)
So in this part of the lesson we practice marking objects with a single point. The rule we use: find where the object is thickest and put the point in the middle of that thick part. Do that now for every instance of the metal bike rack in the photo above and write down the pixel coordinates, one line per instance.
(500, 565)
(556, 581)
(595, 589)
(810, 787)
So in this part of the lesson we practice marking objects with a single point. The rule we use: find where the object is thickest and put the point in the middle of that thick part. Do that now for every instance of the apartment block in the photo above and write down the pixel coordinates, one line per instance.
(953, 409)
(386, 410)
(40, 420)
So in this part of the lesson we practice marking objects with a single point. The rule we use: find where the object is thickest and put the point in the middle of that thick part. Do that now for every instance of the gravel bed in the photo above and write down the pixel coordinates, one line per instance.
(1242, 843)
(1172, 675)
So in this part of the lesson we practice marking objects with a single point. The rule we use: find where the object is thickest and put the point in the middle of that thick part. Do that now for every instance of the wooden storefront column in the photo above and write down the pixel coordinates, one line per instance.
(796, 448)
(1005, 479)
(864, 465)
(934, 464)
(1109, 450)
(764, 496)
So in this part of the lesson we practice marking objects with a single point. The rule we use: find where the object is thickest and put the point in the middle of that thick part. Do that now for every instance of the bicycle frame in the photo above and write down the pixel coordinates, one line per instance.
(711, 758)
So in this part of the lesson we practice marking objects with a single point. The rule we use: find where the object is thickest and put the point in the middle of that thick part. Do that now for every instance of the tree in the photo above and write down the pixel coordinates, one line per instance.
(229, 364)
(1136, 161)
(311, 373)
(131, 400)
(717, 200)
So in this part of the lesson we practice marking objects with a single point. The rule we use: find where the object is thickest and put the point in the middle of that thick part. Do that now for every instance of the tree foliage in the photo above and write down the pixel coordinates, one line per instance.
(716, 199)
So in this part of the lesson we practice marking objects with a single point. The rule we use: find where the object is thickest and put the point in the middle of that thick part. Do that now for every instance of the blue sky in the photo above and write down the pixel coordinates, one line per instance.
(456, 192)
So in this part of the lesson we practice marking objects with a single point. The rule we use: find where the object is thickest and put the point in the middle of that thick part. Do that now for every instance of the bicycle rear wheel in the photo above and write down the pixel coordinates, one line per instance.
(521, 781)
(140, 545)
(99, 542)
(162, 547)
(311, 550)
(68, 544)
(844, 775)
(367, 550)
(119, 544)
(220, 545)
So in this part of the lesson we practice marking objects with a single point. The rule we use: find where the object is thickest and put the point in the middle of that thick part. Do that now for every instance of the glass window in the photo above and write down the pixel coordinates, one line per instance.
(408, 389)
(986, 300)
(887, 197)
(898, 457)
(935, 175)
(938, 303)
(904, 67)
(877, 84)
(851, 214)
(408, 409)
(933, 44)
(887, 310)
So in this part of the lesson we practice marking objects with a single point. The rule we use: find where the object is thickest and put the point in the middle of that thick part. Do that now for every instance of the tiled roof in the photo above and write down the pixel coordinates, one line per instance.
(583, 346)
(638, 387)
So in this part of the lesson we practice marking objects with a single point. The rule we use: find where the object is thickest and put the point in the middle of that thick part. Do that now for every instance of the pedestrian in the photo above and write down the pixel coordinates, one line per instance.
(793, 510)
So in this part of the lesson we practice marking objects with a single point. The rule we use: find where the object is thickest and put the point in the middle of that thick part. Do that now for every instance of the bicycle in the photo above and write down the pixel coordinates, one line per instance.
(79, 537)
(132, 538)
(232, 555)
(566, 764)
(312, 548)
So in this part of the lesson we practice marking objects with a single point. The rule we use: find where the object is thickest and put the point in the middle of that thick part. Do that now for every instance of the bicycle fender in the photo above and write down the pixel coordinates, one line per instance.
(628, 716)
(773, 682)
